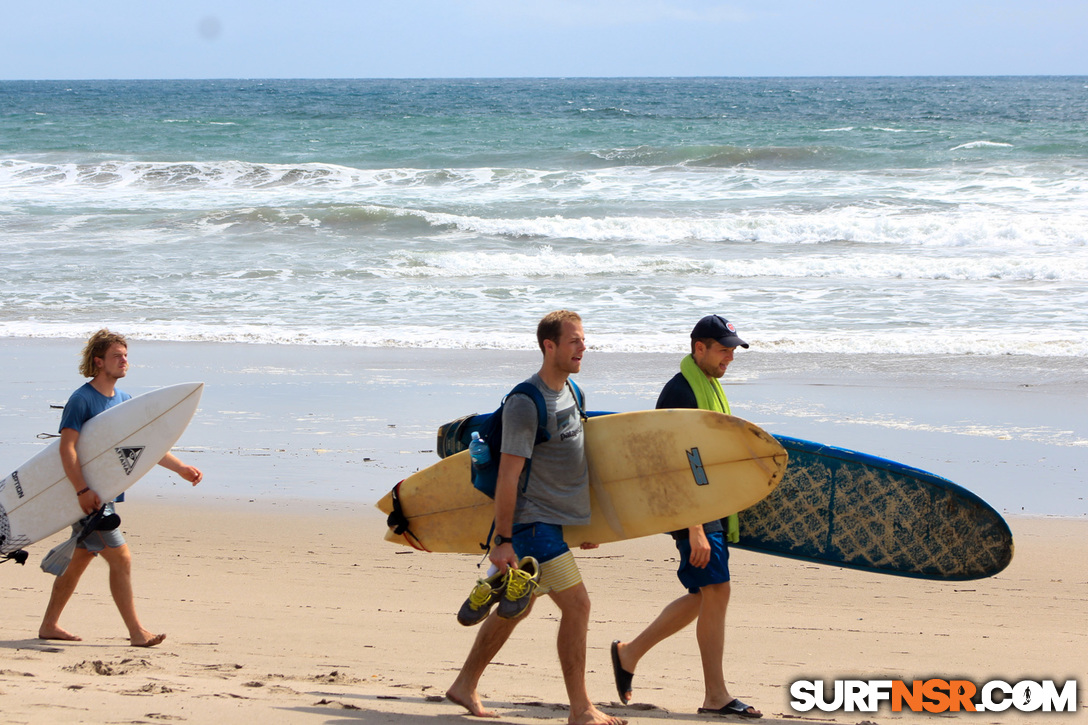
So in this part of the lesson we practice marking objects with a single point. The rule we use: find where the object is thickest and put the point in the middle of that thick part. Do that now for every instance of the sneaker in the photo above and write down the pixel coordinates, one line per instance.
(521, 584)
(481, 599)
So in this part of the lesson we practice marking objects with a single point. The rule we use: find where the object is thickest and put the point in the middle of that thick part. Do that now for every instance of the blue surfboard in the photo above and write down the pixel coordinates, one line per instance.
(844, 508)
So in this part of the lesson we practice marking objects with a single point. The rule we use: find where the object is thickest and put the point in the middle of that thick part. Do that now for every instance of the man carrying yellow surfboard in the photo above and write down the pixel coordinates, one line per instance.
(704, 556)
(530, 515)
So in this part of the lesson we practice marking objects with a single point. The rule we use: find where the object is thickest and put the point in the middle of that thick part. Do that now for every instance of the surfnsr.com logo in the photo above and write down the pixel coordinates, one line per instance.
(934, 695)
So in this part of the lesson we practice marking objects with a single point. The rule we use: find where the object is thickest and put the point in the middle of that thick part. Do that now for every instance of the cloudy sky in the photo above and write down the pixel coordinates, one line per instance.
(78, 39)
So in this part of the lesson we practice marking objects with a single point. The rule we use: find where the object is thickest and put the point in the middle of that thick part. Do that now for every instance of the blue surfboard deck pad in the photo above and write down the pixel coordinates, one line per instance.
(844, 508)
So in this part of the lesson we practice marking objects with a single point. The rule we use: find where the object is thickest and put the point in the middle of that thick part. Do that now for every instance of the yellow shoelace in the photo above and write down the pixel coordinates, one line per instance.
(481, 595)
(518, 583)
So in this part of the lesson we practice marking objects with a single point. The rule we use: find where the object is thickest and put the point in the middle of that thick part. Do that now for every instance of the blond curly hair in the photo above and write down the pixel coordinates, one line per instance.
(97, 346)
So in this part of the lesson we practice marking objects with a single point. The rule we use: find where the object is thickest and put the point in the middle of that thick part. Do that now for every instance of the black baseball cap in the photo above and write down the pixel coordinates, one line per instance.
(717, 328)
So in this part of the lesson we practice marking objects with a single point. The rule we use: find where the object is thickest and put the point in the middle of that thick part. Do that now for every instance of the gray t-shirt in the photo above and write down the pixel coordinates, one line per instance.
(557, 491)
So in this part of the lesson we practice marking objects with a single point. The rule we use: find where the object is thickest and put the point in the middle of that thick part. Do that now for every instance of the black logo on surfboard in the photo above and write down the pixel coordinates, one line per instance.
(128, 457)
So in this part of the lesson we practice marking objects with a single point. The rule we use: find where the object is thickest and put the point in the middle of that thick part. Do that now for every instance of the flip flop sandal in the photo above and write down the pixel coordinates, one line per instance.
(623, 677)
(735, 707)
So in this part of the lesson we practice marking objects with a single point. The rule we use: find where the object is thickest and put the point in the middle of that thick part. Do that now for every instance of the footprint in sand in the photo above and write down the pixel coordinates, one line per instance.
(109, 669)
(272, 689)
(226, 669)
(151, 688)
(13, 673)
(336, 704)
(335, 678)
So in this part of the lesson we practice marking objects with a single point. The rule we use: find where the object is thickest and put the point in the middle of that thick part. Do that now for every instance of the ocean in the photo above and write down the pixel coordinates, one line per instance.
(920, 245)
(858, 216)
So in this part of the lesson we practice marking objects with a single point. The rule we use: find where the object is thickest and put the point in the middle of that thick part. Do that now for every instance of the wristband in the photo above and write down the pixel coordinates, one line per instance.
(85, 490)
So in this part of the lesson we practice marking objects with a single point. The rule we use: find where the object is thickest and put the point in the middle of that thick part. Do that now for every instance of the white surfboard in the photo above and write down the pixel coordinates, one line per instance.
(116, 448)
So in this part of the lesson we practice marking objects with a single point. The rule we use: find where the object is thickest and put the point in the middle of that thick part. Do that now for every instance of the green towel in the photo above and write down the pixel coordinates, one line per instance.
(708, 391)
(710, 396)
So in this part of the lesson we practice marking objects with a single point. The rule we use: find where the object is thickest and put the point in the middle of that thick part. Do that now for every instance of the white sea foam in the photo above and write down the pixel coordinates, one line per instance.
(883, 129)
(517, 335)
(711, 188)
(998, 211)
(981, 145)
(15, 173)
(991, 229)
(547, 262)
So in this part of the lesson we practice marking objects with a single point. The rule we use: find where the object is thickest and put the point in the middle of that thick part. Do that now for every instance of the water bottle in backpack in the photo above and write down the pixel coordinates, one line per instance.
(478, 451)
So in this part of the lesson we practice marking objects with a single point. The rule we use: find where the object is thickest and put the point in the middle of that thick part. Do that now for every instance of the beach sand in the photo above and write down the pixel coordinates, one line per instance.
(297, 612)
(282, 604)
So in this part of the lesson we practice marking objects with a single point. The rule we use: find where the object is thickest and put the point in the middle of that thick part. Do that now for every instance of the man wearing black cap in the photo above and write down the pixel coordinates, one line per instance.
(704, 556)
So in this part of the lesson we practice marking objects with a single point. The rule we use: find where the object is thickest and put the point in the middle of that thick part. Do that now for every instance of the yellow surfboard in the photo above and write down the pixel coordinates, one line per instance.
(650, 472)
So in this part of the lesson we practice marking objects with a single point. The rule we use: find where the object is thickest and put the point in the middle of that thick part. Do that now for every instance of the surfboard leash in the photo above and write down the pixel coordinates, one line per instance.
(399, 522)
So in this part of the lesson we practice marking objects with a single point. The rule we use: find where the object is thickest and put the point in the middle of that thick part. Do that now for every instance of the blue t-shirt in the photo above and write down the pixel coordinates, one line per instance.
(85, 403)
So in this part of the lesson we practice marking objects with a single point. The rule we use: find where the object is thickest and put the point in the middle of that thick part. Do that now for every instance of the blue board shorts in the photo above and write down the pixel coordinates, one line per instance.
(544, 542)
(715, 572)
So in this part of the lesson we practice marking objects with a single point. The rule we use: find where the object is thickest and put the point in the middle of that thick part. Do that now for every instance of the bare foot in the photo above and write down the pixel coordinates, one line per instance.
(593, 716)
(471, 703)
(58, 633)
(151, 640)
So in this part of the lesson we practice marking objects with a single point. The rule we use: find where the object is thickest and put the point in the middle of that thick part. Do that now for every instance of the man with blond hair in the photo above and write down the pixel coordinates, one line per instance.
(105, 361)
(532, 505)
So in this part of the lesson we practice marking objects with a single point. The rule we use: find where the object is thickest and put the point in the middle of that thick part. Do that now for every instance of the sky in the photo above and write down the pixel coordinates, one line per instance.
(77, 39)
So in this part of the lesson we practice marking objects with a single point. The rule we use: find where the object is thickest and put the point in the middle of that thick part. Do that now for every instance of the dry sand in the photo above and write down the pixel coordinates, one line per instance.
(298, 612)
